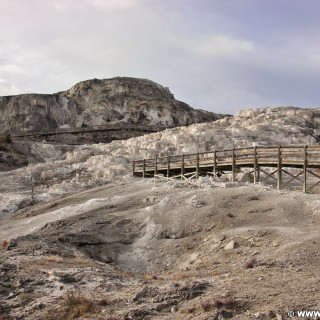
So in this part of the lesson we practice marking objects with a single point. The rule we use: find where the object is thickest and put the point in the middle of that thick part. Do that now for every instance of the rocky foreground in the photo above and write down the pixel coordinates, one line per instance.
(138, 249)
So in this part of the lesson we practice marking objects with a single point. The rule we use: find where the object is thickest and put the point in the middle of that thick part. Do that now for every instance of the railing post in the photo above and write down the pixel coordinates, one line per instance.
(155, 166)
(254, 164)
(133, 167)
(144, 168)
(233, 166)
(215, 163)
(279, 180)
(168, 167)
(197, 168)
(305, 164)
(182, 166)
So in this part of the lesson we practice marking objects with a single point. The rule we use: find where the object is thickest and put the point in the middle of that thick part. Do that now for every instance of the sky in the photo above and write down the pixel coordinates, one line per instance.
(216, 55)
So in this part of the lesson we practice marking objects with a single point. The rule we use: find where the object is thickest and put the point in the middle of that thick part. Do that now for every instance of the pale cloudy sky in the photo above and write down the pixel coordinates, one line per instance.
(217, 55)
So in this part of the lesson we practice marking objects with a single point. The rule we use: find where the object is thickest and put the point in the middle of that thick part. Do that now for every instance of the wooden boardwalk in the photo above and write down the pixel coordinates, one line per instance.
(79, 130)
(273, 161)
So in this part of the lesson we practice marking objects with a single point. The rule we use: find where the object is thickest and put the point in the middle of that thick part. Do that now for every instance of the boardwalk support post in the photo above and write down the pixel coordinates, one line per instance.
(168, 167)
(155, 165)
(255, 164)
(215, 163)
(133, 167)
(279, 169)
(305, 164)
(182, 166)
(197, 166)
(233, 166)
(144, 168)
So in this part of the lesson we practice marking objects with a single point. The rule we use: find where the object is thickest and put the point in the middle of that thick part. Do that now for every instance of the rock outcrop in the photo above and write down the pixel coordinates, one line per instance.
(121, 101)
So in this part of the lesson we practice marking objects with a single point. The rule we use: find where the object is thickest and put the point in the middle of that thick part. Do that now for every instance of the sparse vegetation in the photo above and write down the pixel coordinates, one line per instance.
(228, 302)
(191, 310)
(253, 198)
(251, 263)
(4, 148)
(73, 306)
(206, 306)
(5, 138)
(4, 244)
(103, 302)
(55, 259)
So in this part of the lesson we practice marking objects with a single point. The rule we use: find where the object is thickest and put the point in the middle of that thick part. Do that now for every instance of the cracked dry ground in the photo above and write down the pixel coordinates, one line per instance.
(158, 250)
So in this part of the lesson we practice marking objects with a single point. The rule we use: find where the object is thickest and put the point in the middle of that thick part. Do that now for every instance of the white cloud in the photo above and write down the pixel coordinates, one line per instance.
(113, 4)
(10, 68)
(222, 46)
(7, 87)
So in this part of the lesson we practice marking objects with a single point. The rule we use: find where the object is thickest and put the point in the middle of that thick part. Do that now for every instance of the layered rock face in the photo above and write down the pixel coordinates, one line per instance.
(121, 101)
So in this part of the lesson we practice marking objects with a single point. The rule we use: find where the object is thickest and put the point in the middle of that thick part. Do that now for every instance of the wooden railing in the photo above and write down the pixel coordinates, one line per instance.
(77, 130)
(192, 165)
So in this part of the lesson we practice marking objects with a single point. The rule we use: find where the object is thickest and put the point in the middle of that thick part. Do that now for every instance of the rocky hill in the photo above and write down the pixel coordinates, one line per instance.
(90, 103)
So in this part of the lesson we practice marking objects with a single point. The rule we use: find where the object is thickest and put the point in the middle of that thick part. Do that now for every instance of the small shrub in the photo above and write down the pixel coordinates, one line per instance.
(253, 198)
(148, 277)
(74, 305)
(4, 148)
(229, 303)
(4, 244)
(218, 304)
(191, 310)
(54, 259)
(250, 263)
(5, 138)
(206, 306)
(103, 302)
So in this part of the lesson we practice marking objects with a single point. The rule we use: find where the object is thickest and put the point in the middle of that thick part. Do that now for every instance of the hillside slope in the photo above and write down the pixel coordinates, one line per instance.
(89, 165)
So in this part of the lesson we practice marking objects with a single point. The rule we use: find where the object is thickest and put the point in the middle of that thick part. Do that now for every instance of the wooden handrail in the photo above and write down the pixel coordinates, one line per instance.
(279, 157)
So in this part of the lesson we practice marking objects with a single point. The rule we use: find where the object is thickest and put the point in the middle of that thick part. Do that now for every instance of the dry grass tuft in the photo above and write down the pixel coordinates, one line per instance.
(206, 306)
(149, 277)
(103, 302)
(54, 259)
(250, 263)
(228, 302)
(191, 310)
(73, 306)
(253, 198)
(4, 244)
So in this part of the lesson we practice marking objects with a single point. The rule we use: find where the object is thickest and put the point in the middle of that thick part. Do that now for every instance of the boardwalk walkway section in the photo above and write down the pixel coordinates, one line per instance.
(298, 163)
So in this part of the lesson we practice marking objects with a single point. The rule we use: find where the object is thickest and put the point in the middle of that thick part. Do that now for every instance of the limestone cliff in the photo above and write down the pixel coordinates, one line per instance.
(96, 102)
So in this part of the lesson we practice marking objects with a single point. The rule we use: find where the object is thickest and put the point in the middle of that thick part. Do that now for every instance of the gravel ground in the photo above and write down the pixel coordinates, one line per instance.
(145, 249)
